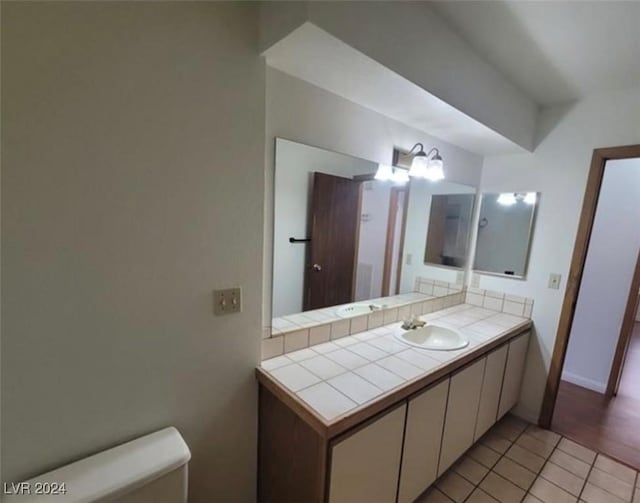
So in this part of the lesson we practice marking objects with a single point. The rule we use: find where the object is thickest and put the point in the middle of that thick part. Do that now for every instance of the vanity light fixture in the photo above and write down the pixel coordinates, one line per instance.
(424, 165)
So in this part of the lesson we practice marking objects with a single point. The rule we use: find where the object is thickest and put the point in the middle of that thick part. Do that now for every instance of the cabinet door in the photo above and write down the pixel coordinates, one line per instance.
(365, 466)
(422, 439)
(513, 373)
(491, 389)
(462, 410)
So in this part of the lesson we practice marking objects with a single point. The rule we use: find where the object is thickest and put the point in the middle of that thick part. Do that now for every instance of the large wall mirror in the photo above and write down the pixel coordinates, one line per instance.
(341, 237)
(505, 229)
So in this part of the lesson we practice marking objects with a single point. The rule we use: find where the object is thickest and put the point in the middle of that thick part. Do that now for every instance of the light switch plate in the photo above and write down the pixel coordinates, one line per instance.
(475, 280)
(460, 277)
(227, 301)
(554, 281)
(409, 259)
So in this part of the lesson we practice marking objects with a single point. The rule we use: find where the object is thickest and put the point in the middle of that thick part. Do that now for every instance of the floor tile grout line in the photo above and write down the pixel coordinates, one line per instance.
(547, 461)
(593, 466)
(494, 465)
(586, 480)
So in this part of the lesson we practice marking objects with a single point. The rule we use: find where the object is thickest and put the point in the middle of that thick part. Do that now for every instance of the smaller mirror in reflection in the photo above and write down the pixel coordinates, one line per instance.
(448, 231)
(504, 233)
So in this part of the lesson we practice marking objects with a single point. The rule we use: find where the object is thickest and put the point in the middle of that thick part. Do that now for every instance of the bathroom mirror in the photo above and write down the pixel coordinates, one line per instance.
(448, 229)
(342, 237)
(505, 229)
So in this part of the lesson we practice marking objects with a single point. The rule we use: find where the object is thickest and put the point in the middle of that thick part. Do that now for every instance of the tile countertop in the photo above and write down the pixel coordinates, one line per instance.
(329, 383)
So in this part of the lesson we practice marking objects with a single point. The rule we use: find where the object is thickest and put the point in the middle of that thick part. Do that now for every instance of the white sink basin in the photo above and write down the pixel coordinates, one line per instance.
(355, 310)
(434, 337)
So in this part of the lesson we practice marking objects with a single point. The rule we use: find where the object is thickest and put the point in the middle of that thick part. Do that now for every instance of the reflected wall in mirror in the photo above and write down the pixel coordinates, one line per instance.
(505, 229)
(449, 225)
(341, 237)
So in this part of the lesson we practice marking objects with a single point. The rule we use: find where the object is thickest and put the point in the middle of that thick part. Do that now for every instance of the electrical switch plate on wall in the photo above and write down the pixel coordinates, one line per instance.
(409, 259)
(554, 280)
(475, 280)
(227, 301)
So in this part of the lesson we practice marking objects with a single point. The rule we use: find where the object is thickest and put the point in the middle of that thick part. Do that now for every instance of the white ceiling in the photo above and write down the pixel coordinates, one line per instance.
(311, 54)
(555, 51)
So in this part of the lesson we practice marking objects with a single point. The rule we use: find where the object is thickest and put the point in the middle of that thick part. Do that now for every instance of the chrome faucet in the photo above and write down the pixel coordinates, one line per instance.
(413, 324)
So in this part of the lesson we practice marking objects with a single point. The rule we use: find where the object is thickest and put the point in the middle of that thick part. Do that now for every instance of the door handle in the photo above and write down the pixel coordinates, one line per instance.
(317, 267)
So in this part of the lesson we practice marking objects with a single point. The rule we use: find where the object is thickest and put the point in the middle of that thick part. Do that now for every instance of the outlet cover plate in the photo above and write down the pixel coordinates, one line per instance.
(227, 301)
(554, 281)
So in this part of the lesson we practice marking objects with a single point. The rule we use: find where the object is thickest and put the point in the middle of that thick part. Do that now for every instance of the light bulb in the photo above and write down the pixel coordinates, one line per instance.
(400, 176)
(384, 173)
(419, 166)
(507, 199)
(435, 169)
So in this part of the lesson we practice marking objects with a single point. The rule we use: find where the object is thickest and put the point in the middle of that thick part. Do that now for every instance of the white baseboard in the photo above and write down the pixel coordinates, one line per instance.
(584, 382)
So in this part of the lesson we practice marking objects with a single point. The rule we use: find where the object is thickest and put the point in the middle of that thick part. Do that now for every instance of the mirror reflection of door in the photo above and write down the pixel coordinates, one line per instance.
(334, 223)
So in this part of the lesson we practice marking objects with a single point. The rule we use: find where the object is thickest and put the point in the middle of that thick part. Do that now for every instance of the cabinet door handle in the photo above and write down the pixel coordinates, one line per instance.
(317, 267)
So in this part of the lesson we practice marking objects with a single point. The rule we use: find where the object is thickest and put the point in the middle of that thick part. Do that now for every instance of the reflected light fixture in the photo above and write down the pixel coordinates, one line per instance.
(400, 176)
(384, 173)
(507, 199)
(424, 165)
(511, 198)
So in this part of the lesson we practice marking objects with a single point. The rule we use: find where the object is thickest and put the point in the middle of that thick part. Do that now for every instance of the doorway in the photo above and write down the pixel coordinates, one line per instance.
(586, 397)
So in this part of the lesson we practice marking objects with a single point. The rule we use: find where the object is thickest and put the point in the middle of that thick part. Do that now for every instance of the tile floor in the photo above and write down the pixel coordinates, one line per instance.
(519, 462)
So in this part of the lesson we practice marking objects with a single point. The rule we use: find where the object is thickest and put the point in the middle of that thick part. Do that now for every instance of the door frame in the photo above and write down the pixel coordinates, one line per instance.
(626, 331)
(594, 182)
(391, 231)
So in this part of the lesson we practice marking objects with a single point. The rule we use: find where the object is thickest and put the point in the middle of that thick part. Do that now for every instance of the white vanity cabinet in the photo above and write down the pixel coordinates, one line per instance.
(365, 465)
(491, 390)
(422, 439)
(392, 454)
(462, 410)
(513, 372)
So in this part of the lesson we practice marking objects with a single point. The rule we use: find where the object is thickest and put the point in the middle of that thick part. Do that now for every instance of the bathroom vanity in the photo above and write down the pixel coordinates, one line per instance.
(391, 446)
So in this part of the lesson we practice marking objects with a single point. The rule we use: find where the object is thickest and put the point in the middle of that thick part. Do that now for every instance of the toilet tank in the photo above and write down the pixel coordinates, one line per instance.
(149, 469)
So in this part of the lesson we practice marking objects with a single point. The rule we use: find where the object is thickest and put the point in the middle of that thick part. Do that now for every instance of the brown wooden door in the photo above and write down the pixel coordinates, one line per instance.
(334, 223)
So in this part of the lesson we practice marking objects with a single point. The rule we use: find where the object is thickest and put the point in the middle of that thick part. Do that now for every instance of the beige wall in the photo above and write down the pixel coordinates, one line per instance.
(557, 169)
(133, 150)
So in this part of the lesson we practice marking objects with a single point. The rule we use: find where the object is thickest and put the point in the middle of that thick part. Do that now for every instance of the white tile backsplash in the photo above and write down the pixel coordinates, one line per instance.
(511, 307)
(319, 334)
(296, 340)
(285, 335)
(375, 320)
(493, 303)
(340, 329)
(358, 324)
(274, 346)
(389, 316)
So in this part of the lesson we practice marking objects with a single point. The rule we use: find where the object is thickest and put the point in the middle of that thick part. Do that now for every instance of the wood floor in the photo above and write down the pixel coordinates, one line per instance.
(611, 426)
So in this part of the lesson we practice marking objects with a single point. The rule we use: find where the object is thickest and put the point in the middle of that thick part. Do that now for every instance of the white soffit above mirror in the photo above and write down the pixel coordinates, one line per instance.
(313, 55)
